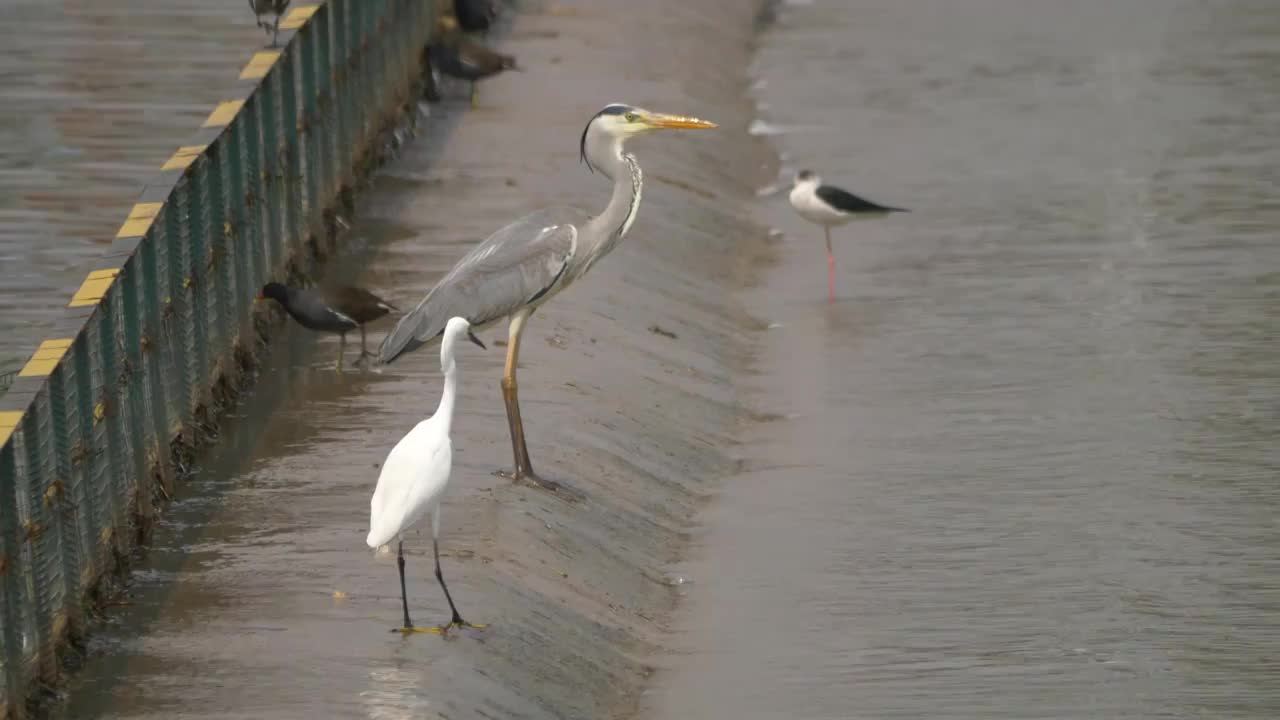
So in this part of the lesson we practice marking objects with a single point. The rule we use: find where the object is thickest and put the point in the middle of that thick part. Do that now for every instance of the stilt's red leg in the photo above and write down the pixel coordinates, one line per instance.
(831, 278)
(831, 269)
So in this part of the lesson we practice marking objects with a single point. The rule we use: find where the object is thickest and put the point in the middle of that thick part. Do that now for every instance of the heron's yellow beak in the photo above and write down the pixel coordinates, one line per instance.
(663, 121)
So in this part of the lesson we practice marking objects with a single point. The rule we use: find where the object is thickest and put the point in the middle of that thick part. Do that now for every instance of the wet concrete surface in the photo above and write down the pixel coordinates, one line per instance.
(258, 597)
(97, 95)
(1025, 465)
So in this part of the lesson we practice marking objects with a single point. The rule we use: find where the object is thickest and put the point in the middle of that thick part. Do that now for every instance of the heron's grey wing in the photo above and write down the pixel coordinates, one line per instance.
(513, 267)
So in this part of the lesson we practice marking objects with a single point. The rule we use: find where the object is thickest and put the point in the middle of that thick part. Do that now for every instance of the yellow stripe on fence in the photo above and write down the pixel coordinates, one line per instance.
(140, 218)
(45, 358)
(298, 17)
(183, 158)
(224, 113)
(260, 65)
(94, 288)
(9, 420)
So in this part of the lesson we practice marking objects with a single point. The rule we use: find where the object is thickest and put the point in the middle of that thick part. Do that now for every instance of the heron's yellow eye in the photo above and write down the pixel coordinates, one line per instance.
(631, 117)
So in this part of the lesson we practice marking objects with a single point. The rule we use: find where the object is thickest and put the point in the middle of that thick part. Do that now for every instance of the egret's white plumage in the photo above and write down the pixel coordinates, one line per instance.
(416, 473)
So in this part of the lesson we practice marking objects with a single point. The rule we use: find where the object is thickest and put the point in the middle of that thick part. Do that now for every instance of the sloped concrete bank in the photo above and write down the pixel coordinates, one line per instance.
(261, 600)
(638, 420)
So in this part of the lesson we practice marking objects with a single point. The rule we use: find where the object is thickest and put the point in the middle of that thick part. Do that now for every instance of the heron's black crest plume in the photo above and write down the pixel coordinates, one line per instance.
(610, 109)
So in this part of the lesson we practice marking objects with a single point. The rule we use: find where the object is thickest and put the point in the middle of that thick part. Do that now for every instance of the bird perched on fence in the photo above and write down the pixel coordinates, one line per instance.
(340, 310)
(475, 15)
(273, 9)
(454, 55)
(414, 478)
(829, 206)
(528, 262)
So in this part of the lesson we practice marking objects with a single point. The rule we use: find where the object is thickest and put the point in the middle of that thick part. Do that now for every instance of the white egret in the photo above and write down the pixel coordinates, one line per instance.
(829, 206)
(414, 477)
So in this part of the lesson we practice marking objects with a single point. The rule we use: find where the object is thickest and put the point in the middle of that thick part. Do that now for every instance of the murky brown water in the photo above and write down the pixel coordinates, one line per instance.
(1028, 462)
(97, 95)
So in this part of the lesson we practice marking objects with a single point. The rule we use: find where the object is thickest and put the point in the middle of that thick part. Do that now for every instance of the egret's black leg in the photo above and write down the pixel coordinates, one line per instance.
(409, 628)
(435, 548)
(404, 595)
(457, 619)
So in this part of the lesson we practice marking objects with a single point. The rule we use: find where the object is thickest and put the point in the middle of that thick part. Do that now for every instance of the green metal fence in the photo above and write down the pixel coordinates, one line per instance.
(88, 427)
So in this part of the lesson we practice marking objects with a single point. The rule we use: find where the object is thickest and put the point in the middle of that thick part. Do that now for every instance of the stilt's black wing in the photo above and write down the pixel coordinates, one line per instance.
(850, 203)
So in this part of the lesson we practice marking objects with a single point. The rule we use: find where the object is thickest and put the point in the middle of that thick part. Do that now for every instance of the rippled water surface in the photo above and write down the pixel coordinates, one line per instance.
(1026, 465)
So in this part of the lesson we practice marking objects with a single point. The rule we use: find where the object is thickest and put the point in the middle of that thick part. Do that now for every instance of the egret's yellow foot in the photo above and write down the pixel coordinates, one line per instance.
(416, 630)
(444, 629)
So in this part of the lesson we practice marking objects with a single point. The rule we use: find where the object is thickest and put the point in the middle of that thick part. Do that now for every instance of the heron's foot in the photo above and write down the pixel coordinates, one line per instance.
(559, 490)
(414, 630)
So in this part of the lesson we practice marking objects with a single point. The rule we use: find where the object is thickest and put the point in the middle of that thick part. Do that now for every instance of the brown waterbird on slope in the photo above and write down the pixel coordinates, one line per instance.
(455, 55)
(340, 310)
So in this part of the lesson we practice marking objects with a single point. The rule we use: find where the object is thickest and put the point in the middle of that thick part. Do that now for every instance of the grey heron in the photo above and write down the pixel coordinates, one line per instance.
(414, 478)
(340, 310)
(528, 262)
(829, 206)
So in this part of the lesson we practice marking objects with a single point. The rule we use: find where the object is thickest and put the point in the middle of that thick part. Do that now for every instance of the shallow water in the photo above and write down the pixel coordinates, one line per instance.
(1025, 466)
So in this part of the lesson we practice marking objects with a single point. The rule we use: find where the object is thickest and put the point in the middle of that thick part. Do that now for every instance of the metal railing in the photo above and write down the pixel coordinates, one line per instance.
(156, 334)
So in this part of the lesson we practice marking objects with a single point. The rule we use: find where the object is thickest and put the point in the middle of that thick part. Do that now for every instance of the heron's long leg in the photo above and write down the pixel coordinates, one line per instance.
(831, 268)
(524, 469)
(342, 348)
(435, 547)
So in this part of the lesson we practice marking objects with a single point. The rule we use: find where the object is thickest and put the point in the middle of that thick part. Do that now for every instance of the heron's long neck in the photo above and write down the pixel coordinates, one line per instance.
(607, 229)
(445, 411)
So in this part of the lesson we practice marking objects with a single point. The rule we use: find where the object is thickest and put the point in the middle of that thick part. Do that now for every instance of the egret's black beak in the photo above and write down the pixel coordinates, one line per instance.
(472, 337)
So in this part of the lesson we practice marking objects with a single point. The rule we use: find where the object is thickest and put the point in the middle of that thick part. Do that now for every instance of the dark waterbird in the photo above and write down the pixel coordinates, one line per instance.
(455, 55)
(475, 15)
(273, 9)
(340, 310)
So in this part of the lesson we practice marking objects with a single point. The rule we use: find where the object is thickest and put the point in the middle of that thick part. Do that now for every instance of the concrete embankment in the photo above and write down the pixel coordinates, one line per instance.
(260, 599)
(148, 355)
